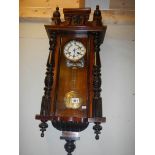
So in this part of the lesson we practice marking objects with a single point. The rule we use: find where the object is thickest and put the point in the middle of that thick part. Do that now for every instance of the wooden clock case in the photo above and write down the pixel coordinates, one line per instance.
(76, 26)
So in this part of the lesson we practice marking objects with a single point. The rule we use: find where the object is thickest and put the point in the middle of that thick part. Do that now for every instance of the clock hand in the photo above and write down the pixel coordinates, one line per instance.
(79, 53)
(74, 51)
(77, 48)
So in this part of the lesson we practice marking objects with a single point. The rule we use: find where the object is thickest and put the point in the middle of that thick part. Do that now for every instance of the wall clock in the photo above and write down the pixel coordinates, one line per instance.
(71, 97)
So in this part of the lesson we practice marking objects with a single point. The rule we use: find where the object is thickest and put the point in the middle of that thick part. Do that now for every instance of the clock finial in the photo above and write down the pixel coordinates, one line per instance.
(56, 16)
(97, 18)
(97, 12)
(70, 146)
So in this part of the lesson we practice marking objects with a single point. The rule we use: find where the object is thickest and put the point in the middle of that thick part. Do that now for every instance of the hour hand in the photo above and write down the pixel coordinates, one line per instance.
(79, 53)
(78, 48)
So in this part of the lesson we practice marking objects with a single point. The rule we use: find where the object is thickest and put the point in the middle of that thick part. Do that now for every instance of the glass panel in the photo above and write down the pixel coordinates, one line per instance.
(71, 100)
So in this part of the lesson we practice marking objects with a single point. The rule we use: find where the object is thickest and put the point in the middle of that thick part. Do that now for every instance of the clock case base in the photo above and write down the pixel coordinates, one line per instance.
(76, 21)
(72, 127)
(71, 123)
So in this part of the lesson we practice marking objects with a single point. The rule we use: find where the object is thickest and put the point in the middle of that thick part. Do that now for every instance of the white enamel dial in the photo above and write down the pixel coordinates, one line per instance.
(74, 50)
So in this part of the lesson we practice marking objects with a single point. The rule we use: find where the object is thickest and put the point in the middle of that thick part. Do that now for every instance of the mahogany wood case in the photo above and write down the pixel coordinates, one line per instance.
(76, 26)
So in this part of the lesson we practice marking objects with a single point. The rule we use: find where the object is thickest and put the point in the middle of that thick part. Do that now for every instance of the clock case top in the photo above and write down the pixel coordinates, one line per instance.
(76, 24)
(77, 21)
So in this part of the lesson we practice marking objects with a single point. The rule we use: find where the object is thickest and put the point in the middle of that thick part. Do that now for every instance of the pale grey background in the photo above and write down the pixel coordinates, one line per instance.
(104, 4)
(117, 56)
(111, 4)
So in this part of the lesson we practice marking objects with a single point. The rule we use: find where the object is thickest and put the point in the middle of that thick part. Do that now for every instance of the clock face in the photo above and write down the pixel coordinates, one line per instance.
(74, 50)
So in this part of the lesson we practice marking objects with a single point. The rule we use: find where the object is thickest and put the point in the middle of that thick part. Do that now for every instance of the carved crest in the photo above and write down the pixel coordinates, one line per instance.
(77, 16)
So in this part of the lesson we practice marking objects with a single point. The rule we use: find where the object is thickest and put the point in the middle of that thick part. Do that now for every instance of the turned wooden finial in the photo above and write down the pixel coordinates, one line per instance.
(56, 16)
(97, 12)
(97, 18)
